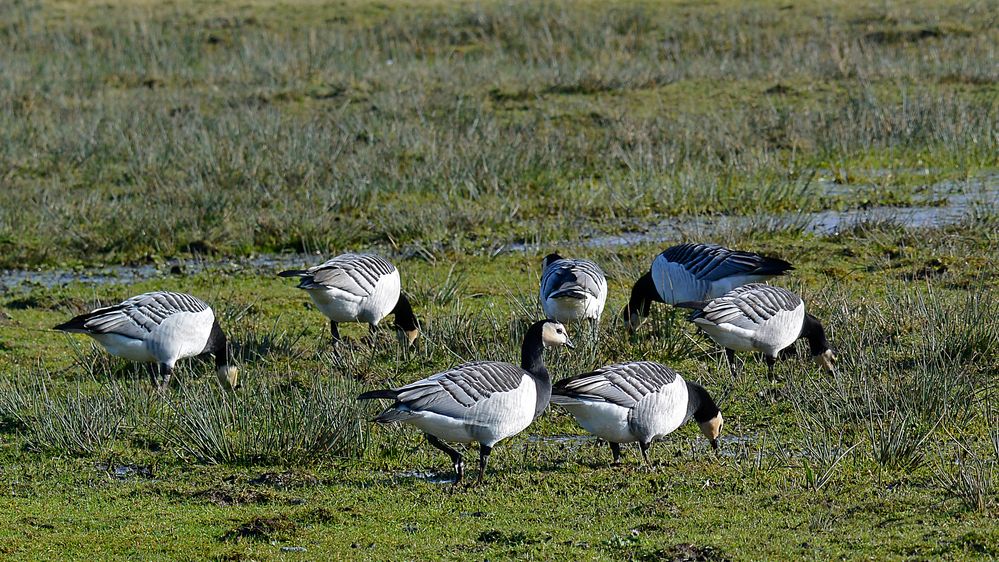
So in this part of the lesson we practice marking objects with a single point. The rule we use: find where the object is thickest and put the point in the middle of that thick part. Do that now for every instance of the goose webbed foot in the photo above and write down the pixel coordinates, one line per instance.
(159, 376)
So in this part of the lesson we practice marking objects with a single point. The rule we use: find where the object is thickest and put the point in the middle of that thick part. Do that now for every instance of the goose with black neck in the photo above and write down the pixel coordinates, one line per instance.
(483, 401)
(640, 401)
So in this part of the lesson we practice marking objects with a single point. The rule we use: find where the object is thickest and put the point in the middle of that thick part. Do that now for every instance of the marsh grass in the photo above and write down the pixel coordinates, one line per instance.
(462, 128)
(265, 424)
(441, 135)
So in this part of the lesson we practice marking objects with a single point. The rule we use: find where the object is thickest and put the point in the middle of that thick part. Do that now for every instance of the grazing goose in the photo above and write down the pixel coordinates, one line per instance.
(158, 327)
(358, 288)
(483, 401)
(638, 401)
(572, 289)
(696, 272)
(758, 317)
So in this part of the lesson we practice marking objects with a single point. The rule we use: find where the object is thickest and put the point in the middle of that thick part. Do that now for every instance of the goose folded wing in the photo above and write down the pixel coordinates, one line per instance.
(623, 385)
(138, 316)
(748, 307)
(452, 393)
(710, 262)
(351, 273)
(565, 278)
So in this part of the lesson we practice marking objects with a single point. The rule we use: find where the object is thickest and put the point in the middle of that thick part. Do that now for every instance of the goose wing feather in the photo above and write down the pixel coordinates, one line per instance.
(453, 392)
(356, 274)
(623, 384)
(569, 277)
(711, 262)
(749, 306)
(137, 316)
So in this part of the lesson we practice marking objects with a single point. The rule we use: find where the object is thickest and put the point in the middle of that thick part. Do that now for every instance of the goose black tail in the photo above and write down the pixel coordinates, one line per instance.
(79, 323)
(773, 266)
(382, 393)
(293, 273)
(694, 305)
(75, 325)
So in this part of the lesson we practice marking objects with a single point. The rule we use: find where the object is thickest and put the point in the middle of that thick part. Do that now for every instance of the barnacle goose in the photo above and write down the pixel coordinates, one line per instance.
(572, 289)
(638, 401)
(695, 272)
(483, 401)
(358, 288)
(159, 327)
(758, 317)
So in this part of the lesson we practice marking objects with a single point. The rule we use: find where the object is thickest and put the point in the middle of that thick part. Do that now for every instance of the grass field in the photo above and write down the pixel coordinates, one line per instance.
(466, 141)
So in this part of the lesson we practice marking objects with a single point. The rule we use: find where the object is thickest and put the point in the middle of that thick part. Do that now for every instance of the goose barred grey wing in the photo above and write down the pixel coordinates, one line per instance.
(711, 262)
(453, 392)
(572, 278)
(748, 306)
(137, 316)
(356, 274)
(623, 384)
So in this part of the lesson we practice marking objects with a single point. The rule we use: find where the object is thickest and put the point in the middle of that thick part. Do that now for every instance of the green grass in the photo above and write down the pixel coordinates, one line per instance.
(439, 133)
(464, 126)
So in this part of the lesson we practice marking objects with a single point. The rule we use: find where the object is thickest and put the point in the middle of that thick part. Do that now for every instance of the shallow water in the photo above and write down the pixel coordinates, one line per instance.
(13, 279)
(944, 203)
(428, 476)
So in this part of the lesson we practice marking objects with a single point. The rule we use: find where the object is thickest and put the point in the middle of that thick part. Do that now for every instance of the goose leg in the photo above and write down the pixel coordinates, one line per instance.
(616, 451)
(165, 372)
(644, 447)
(730, 354)
(372, 334)
(771, 361)
(595, 327)
(335, 332)
(459, 465)
(484, 451)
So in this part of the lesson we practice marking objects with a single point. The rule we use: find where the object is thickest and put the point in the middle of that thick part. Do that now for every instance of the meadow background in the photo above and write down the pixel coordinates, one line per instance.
(174, 145)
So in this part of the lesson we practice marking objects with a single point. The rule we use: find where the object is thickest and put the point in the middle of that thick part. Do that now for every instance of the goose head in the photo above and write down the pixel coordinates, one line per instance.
(712, 429)
(553, 334)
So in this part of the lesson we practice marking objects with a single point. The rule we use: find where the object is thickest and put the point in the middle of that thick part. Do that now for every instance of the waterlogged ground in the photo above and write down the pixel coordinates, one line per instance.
(204, 149)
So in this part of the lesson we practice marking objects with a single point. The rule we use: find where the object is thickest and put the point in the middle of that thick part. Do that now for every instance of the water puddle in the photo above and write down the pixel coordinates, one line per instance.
(19, 279)
(568, 442)
(428, 476)
(941, 204)
(125, 471)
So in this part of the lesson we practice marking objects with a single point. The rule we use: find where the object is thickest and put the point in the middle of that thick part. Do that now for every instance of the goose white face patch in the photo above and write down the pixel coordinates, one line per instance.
(553, 334)
(712, 428)
(826, 360)
(228, 376)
